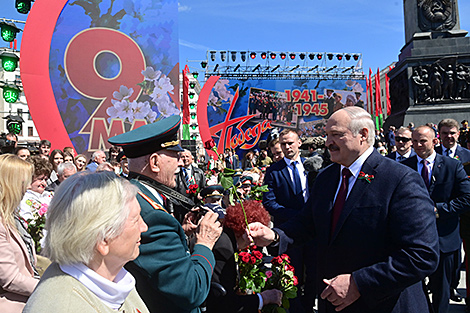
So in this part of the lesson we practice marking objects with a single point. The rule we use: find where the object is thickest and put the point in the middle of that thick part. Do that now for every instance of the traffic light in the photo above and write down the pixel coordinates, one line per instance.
(14, 124)
(23, 6)
(192, 85)
(9, 61)
(195, 74)
(191, 95)
(11, 93)
(9, 31)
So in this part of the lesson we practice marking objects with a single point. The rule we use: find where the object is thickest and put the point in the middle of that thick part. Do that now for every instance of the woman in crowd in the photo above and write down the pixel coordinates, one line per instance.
(36, 196)
(18, 277)
(232, 240)
(68, 157)
(248, 160)
(80, 162)
(113, 153)
(55, 158)
(94, 228)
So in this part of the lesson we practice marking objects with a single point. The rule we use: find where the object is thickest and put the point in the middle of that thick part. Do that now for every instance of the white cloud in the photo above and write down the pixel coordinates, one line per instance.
(183, 8)
(194, 46)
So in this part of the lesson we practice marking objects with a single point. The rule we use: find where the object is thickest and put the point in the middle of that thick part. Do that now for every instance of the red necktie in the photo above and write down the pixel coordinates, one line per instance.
(340, 198)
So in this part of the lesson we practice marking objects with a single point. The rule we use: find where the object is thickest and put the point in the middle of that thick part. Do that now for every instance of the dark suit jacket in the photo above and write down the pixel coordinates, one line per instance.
(386, 236)
(393, 155)
(280, 201)
(450, 191)
(462, 154)
(199, 177)
(234, 164)
(168, 278)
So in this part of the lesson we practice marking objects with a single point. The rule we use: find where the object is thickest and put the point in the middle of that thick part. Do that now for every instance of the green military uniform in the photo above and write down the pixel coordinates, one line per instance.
(168, 277)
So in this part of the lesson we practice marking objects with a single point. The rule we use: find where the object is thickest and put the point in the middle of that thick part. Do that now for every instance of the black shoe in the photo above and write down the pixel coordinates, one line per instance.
(454, 296)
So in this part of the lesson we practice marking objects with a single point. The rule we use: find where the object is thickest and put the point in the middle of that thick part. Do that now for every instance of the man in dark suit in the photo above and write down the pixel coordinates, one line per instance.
(168, 277)
(449, 134)
(403, 144)
(188, 175)
(363, 213)
(288, 191)
(449, 188)
(230, 160)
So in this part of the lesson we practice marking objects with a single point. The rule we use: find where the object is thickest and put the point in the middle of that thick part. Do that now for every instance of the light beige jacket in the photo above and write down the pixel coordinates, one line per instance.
(60, 292)
(17, 280)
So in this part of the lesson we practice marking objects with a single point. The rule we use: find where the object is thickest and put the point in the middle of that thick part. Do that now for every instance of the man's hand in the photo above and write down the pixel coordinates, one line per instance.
(189, 223)
(208, 230)
(341, 291)
(261, 235)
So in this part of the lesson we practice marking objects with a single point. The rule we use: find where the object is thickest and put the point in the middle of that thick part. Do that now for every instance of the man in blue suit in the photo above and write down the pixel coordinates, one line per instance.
(449, 188)
(288, 191)
(363, 211)
(449, 134)
(403, 144)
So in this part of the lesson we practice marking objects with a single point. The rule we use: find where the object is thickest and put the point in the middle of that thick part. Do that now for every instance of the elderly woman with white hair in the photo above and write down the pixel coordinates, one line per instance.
(94, 228)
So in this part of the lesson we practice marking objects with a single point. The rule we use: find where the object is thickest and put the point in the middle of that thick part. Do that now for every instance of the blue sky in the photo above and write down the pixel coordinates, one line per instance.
(374, 28)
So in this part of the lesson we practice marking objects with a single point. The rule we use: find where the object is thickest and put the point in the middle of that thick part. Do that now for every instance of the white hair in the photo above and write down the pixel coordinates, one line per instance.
(360, 119)
(65, 166)
(96, 154)
(86, 209)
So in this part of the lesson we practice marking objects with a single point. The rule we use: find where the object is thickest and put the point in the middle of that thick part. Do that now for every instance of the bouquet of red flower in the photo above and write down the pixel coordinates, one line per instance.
(193, 189)
(256, 276)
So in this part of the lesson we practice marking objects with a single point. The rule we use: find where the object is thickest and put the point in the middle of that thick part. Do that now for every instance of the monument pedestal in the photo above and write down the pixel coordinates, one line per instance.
(431, 80)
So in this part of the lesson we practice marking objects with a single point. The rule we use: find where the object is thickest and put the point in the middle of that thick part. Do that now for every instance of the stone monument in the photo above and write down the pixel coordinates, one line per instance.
(431, 80)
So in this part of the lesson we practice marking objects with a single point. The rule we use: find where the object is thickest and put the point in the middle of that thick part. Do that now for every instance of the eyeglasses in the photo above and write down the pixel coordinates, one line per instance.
(404, 139)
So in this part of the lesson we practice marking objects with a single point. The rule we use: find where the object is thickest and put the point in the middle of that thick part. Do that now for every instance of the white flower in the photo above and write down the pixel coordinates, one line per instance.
(123, 93)
(221, 89)
(140, 109)
(150, 74)
(120, 109)
(163, 85)
(168, 109)
(150, 118)
(162, 99)
(213, 99)
(358, 88)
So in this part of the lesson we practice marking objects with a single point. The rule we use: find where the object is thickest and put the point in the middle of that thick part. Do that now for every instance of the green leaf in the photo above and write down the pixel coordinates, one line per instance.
(280, 310)
(226, 182)
(290, 294)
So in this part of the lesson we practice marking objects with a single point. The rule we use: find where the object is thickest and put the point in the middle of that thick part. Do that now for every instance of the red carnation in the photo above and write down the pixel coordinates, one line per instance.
(276, 260)
(253, 260)
(289, 268)
(209, 144)
(296, 281)
(285, 257)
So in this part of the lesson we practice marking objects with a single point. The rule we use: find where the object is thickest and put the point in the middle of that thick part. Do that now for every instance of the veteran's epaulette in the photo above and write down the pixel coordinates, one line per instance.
(154, 204)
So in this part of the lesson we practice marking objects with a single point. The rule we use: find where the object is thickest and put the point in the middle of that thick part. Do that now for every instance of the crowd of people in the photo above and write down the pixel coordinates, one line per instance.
(146, 227)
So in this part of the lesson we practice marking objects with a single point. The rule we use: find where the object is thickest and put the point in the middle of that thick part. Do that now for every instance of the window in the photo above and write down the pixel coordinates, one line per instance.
(30, 131)
(20, 112)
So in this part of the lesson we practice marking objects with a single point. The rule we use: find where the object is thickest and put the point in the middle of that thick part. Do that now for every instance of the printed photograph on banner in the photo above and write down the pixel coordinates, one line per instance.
(272, 105)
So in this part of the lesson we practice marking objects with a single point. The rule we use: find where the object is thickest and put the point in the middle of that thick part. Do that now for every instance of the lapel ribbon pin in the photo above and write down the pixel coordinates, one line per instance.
(365, 176)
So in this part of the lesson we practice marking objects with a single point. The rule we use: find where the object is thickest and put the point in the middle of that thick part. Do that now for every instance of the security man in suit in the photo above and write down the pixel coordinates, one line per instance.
(288, 190)
(372, 254)
(168, 277)
(403, 144)
(449, 135)
(449, 188)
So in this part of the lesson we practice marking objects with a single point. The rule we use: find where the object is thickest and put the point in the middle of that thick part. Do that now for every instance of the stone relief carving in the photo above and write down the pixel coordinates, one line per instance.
(436, 15)
(442, 81)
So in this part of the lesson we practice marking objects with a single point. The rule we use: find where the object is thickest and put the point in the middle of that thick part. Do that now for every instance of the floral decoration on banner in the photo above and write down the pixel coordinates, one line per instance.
(36, 225)
(256, 276)
(156, 87)
(365, 176)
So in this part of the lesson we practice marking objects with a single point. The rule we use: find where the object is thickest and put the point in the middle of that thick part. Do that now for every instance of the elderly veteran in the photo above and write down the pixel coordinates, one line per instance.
(169, 278)
(94, 228)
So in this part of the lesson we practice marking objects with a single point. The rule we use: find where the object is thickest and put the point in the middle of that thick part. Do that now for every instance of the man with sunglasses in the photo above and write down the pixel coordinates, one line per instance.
(403, 144)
